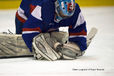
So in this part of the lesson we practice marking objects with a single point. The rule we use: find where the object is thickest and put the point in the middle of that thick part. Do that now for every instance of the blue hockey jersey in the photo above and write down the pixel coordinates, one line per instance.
(42, 18)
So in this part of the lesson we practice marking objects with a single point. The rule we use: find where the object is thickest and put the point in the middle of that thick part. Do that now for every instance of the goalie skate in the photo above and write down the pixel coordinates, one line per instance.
(43, 44)
(12, 45)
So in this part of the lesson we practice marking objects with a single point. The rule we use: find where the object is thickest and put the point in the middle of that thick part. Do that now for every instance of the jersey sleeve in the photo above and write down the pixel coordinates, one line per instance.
(78, 31)
(32, 27)
(20, 14)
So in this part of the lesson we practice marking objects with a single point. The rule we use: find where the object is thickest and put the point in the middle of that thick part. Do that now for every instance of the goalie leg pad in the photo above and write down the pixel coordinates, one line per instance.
(13, 45)
(43, 44)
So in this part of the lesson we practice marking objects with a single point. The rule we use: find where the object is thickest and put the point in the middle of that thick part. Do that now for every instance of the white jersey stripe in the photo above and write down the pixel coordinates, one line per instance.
(37, 12)
(78, 36)
(29, 32)
(80, 20)
(21, 13)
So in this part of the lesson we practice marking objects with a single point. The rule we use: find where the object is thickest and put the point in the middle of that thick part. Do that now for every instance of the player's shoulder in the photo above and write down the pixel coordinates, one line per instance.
(39, 2)
(77, 9)
(48, 0)
(76, 12)
(27, 1)
(77, 6)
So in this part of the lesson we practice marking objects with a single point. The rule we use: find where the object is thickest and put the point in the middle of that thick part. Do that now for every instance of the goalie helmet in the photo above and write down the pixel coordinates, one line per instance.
(65, 8)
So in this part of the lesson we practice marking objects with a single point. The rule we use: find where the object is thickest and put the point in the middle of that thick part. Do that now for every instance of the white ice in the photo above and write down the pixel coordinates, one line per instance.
(98, 58)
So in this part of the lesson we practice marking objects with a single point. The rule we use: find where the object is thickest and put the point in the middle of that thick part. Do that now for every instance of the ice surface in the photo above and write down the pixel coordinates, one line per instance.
(98, 58)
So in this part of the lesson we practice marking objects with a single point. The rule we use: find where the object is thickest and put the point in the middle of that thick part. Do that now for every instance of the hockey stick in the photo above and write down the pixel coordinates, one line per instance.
(91, 35)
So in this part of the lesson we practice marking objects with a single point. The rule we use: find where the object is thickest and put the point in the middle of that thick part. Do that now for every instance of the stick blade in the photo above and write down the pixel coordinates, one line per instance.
(91, 35)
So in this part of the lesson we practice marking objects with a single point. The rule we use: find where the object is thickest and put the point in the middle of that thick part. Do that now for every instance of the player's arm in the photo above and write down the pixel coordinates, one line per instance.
(20, 14)
(20, 17)
(78, 31)
(32, 26)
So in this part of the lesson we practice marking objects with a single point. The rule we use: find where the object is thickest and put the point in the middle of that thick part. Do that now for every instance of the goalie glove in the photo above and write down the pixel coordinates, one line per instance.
(61, 37)
(69, 50)
(43, 45)
(37, 55)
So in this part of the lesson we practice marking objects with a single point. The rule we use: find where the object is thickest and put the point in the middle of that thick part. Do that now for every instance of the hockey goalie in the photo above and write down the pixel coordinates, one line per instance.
(38, 21)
